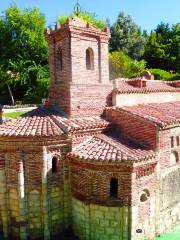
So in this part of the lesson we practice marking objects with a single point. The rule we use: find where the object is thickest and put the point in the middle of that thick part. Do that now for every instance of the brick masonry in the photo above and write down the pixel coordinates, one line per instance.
(78, 90)
(49, 182)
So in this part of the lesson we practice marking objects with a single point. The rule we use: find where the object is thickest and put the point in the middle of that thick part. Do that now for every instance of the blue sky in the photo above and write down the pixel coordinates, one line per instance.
(146, 13)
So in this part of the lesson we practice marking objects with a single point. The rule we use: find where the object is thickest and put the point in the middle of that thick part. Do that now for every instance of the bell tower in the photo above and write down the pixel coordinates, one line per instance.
(79, 68)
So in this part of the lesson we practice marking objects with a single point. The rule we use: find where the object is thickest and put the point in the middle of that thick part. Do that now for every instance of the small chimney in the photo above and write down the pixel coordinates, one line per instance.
(45, 102)
(1, 114)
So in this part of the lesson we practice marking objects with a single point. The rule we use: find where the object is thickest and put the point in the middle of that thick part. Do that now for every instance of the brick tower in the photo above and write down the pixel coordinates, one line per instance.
(79, 68)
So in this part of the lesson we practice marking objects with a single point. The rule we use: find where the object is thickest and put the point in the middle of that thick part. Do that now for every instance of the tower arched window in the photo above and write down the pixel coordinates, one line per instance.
(59, 60)
(54, 164)
(114, 188)
(89, 59)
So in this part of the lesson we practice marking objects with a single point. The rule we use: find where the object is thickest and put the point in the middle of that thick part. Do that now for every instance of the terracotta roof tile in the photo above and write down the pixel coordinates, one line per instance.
(161, 114)
(81, 124)
(127, 86)
(30, 126)
(45, 121)
(111, 149)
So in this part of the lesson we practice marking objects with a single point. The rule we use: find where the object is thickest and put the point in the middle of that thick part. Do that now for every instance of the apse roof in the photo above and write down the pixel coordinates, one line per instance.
(109, 148)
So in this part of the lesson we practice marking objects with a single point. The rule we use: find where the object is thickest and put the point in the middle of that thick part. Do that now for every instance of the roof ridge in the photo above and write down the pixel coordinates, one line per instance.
(59, 124)
(81, 144)
(137, 115)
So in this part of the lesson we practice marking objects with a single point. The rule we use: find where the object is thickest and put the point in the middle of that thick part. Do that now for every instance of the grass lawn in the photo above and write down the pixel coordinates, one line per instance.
(13, 114)
(174, 235)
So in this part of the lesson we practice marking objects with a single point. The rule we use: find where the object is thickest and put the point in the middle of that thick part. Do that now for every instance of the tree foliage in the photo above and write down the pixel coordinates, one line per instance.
(126, 36)
(163, 48)
(23, 51)
(164, 75)
(122, 65)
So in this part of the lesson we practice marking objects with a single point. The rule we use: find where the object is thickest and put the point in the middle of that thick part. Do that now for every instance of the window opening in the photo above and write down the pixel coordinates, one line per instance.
(54, 164)
(89, 59)
(114, 188)
(177, 140)
(172, 142)
(59, 60)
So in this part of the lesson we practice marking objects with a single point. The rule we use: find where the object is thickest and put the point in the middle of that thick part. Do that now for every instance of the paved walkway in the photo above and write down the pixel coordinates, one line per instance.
(18, 109)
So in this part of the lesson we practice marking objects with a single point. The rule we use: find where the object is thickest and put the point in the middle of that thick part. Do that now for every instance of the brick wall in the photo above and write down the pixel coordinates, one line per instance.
(91, 182)
(133, 127)
(80, 74)
(80, 99)
(89, 99)
(78, 90)
(168, 144)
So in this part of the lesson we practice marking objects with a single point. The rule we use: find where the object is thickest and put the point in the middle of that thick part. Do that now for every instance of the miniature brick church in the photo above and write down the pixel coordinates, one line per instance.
(102, 159)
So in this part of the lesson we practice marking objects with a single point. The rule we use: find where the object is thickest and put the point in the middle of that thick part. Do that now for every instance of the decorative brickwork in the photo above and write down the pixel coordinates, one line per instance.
(108, 172)
(77, 89)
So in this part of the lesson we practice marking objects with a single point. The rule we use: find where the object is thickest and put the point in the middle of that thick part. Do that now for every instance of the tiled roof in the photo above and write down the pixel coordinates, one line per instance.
(111, 149)
(81, 124)
(151, 86)
(36, 123)
(161, 114)
(45, 121)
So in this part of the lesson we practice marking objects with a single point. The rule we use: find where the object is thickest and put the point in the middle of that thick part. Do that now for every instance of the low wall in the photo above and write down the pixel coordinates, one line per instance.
(140, 98)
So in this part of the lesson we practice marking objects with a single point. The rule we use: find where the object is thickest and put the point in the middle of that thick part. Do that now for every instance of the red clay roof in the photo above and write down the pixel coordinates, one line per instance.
(81, 124)
(151, 86)
(37, 123)
(49, 122)
(111, 149)
(161, 114)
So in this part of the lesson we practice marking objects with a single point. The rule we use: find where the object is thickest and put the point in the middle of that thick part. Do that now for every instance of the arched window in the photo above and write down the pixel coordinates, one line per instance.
(177, 140)
(174, 158)
(172, 141)
(89, 59)
(59, 60)
(54, 164)
(114, 188)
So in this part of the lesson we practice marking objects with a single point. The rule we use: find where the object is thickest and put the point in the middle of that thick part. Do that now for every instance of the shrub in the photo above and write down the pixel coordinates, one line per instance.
(91, 18)
(63, 19)
(160, 74)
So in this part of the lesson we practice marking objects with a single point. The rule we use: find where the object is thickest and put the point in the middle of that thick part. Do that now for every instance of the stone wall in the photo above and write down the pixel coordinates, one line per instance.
(168, 189)
(34, 202)
(94, 222)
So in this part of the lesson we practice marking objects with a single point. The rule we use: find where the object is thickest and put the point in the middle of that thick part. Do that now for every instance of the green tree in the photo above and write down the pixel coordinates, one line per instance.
(163, 48)
(126, 37)
(23, 51)
(122, 65)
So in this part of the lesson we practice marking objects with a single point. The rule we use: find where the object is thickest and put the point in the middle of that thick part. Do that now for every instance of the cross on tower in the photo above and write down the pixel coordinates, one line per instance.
(77, 8)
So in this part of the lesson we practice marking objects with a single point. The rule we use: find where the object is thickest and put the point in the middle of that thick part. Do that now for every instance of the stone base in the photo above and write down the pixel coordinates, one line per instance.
(94, 222)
